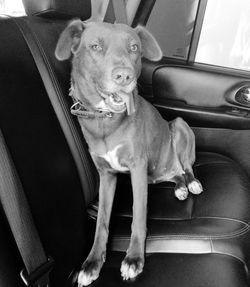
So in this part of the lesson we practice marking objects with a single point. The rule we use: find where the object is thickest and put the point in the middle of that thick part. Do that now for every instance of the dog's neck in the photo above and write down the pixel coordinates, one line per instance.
(82, 108)
(83, 90)
(87, 100)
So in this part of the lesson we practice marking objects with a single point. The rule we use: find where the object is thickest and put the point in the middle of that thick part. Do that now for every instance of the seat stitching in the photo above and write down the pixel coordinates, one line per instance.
(187, 219)
(235, 234)
(189, 236)
(214, 163)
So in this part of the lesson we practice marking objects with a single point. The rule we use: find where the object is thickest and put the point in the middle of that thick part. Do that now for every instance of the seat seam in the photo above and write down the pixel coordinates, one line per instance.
(214, 163)
(193, 218)
(188, 237)
(195, 236)
(229, 235)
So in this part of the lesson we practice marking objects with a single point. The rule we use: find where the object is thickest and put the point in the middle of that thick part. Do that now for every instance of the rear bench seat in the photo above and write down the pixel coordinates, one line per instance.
(212, 225)
(203, 241)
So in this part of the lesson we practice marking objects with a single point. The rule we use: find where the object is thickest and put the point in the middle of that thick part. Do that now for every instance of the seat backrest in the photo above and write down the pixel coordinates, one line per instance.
(35, 137)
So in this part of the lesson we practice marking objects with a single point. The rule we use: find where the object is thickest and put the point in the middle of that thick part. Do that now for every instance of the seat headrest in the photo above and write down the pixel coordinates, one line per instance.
(58, 8)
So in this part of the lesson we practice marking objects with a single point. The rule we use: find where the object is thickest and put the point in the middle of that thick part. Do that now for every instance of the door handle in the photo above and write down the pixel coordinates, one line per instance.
(243, 96)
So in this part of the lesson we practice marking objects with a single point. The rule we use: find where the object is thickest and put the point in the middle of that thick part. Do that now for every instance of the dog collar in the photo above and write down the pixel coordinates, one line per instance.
(80, 110)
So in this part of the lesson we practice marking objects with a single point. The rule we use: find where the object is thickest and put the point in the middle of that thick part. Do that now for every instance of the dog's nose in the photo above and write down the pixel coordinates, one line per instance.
(123, 76)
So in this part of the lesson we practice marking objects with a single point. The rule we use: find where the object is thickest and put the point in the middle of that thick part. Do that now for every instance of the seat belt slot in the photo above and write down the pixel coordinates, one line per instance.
(38, 276)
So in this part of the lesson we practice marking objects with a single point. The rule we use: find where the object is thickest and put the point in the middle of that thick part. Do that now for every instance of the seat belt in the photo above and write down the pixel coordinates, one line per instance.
(17, 211)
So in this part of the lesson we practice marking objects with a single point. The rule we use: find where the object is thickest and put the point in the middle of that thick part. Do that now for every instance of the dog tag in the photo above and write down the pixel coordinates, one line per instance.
(129, 101)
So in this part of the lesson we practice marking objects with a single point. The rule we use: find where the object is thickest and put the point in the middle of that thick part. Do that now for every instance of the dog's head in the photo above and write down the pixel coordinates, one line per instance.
(107, 60)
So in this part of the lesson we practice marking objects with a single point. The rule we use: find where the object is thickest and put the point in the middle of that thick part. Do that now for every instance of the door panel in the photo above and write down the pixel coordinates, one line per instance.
(206, 99)
(203, 98)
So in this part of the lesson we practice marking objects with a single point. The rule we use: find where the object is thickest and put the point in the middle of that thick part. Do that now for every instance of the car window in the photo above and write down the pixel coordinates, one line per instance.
(12, 7)
(172, 22)
(225, 34)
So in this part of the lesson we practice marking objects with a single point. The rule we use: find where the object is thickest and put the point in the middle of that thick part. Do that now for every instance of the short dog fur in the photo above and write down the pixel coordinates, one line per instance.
(123, 131)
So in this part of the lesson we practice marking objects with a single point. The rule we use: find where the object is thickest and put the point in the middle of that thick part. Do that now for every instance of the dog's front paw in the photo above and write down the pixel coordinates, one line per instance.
(131, 267)
(195, 187)
(89, 272)
(181, 192)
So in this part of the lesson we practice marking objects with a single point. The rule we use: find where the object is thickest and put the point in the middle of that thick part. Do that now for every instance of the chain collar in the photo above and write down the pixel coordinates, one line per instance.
(80, 110)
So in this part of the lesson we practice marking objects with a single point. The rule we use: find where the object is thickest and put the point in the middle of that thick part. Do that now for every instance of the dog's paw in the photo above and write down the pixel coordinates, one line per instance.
(89, 272)
(131, 268)
(195, 187)
(181, 192)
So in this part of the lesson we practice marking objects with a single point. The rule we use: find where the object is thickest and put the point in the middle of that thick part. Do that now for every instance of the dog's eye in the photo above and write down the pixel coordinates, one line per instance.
(96, 47)
(134, 48)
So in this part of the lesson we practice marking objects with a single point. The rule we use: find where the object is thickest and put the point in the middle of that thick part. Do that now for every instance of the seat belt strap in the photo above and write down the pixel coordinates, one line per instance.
(17, 211)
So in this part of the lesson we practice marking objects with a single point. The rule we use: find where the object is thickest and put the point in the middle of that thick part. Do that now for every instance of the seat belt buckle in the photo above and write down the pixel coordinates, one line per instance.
(40, 276)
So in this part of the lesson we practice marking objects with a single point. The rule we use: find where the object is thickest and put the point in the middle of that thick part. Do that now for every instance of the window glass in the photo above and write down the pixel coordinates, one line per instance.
(225, 34)
(171, 22)
(12, 7)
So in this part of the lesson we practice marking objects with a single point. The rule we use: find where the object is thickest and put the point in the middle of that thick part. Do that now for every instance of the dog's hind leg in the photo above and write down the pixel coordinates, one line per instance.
(193, 184)
(91, 267)
(133, 263)
(184, 140)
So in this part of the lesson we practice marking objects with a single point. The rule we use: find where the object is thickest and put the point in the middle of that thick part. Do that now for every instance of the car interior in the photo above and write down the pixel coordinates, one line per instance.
(202, 241)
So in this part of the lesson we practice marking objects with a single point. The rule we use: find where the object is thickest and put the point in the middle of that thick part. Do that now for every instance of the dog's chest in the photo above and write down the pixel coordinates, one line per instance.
(112, 158)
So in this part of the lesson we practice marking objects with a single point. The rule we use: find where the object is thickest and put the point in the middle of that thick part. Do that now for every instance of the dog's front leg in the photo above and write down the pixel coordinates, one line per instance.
(133, 263)
(91, 267)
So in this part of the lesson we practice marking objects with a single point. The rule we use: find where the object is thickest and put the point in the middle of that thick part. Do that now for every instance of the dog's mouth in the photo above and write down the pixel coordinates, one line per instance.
(118, 102)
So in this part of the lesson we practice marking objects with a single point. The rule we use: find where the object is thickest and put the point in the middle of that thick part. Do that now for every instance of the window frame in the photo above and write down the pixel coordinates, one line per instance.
(200, 15)
(142, 15)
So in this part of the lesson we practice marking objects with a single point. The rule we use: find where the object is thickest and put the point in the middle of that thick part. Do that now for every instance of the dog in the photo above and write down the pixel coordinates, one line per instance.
(124, 132)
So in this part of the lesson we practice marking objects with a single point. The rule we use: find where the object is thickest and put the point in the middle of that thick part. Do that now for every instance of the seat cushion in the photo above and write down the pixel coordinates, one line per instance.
(178, 270)
(214, 221)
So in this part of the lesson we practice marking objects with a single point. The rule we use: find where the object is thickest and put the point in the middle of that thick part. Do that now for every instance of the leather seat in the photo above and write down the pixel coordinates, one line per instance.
(178, 270)
(203, 241)
(211, 222)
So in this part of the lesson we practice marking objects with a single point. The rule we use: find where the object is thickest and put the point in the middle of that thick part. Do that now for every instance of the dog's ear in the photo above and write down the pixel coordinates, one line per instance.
(69, 40)
(150, 48)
